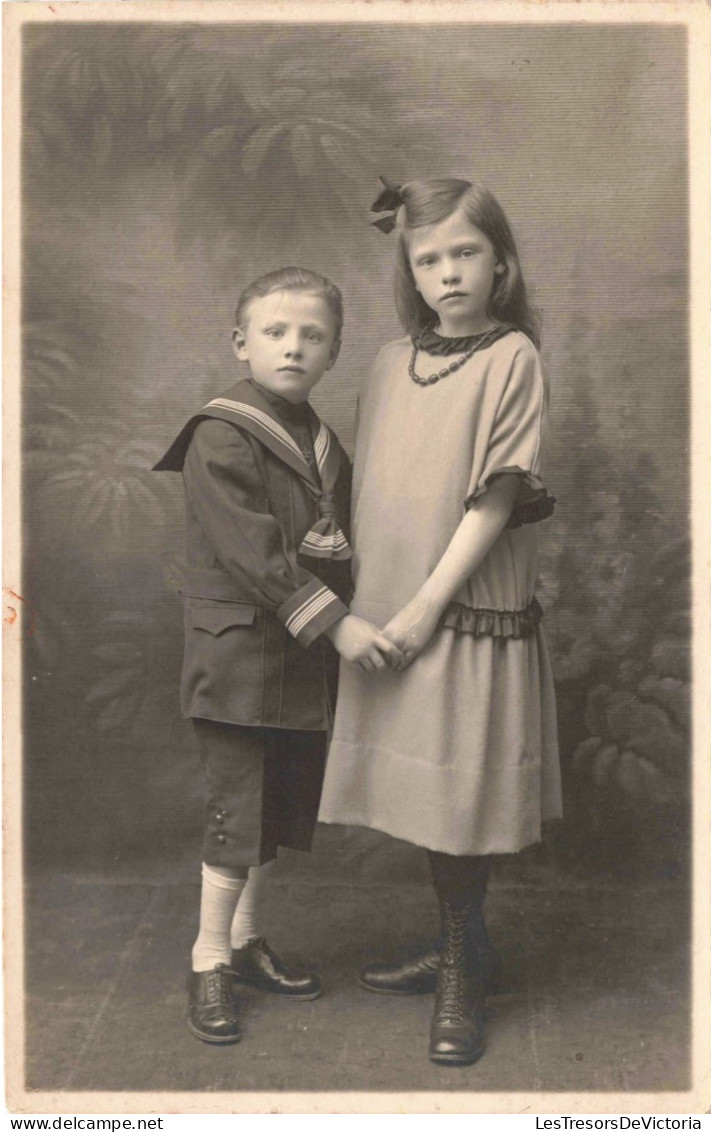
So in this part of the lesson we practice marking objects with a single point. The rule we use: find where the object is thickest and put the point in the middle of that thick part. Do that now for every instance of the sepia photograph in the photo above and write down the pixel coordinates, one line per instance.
(350, 402)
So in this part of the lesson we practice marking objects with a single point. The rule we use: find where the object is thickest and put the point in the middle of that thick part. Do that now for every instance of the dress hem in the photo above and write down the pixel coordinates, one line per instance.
(440, 847)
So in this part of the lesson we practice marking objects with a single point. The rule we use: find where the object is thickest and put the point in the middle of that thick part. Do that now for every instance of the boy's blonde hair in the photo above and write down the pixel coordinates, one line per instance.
(292, 279)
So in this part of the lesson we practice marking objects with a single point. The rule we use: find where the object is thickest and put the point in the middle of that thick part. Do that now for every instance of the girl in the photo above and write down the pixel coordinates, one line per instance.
(453, 747)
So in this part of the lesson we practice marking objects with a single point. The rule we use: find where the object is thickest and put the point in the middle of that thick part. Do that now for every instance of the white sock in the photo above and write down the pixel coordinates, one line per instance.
(247, 922)
(218, 901)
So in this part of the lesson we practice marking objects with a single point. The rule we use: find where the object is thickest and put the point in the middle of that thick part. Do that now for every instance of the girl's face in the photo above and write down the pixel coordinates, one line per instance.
(454, 266)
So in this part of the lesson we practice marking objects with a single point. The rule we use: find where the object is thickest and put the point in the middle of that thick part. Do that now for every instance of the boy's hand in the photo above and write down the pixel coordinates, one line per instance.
(361, 643)
(411, 629)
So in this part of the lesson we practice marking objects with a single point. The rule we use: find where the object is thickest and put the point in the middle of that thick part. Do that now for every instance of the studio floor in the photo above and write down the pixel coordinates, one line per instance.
(597, 988)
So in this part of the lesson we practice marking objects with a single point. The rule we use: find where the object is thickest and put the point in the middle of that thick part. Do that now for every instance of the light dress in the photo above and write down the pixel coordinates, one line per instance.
(459, 752)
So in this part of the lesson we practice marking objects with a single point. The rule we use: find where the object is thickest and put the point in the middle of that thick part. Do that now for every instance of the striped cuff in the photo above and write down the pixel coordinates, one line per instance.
(310, 611)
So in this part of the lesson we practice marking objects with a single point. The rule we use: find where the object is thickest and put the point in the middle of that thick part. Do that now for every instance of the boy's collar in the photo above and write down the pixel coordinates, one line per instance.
(247, 404)
(286, 409)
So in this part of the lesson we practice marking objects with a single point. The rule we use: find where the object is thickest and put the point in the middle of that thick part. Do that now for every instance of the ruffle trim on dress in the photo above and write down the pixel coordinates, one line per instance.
(539, 504)
(513, 623)
(532, 511)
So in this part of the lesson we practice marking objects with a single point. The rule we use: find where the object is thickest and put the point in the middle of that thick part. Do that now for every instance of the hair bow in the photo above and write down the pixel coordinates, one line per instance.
(389, 200)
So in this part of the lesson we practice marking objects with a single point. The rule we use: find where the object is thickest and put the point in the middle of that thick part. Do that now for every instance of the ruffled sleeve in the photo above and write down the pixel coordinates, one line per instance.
(517, 439)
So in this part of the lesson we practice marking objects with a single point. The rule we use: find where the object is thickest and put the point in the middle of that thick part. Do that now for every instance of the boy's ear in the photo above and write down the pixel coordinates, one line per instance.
(239, 344)
(333, 356)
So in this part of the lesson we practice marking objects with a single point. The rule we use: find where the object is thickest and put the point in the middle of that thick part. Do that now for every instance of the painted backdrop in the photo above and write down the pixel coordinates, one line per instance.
(164, 168)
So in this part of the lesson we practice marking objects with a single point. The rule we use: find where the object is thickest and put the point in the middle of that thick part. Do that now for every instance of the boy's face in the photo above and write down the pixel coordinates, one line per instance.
(289, 341)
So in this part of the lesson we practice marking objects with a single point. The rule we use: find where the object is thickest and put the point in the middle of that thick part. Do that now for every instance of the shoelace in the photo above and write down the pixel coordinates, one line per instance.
(218, 989)
(261, 946)
(452, 976)
(452, 996)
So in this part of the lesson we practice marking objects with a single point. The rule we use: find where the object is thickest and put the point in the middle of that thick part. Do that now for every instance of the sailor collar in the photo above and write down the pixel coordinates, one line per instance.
(246, 407)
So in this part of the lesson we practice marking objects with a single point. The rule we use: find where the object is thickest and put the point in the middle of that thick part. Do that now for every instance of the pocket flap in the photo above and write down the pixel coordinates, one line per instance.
(216, 618)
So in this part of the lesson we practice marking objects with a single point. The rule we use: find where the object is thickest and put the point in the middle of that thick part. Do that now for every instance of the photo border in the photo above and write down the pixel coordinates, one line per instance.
(695, 15)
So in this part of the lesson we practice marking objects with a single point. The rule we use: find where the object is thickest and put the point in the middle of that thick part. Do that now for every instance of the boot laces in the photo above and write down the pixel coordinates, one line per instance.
(453, 966)
(452, 994)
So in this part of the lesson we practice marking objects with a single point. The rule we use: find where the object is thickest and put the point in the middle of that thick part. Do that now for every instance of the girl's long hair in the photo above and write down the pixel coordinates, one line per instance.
(430, 202)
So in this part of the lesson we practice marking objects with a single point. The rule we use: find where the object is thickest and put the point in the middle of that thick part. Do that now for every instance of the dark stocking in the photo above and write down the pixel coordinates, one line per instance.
(462, 881)
(459, 878)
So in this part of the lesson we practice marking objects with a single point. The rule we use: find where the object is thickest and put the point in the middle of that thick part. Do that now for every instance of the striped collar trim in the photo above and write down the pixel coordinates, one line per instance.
(272, 427)
(323, 447)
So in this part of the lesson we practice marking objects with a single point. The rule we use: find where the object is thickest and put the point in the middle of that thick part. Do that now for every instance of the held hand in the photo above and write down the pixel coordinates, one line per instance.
(411, 629)
(361, 643)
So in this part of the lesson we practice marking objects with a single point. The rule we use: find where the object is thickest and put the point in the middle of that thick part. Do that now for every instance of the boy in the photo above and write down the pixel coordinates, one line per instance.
(267, 499)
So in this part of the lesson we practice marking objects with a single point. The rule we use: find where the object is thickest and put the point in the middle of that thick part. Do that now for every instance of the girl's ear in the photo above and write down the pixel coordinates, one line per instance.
(239, 344)
(500, 269)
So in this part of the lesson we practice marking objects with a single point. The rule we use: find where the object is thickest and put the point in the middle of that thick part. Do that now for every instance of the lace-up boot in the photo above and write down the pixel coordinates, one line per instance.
(457, 1030)
(212, 1007)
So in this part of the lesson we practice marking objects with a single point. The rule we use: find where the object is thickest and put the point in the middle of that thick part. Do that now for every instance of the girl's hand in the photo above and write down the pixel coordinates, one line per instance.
(361, 643)
(477, 532)
(411, 629)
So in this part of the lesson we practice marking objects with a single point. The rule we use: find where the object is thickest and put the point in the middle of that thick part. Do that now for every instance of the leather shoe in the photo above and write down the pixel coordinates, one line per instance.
(212, 1008)
(419, 975)
(413, 976)
(257, 965)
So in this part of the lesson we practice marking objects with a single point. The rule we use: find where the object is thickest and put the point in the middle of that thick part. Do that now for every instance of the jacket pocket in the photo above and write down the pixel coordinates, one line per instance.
(217, 617)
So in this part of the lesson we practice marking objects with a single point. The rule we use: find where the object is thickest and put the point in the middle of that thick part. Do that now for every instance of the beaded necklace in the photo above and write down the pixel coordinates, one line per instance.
(480, 340)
